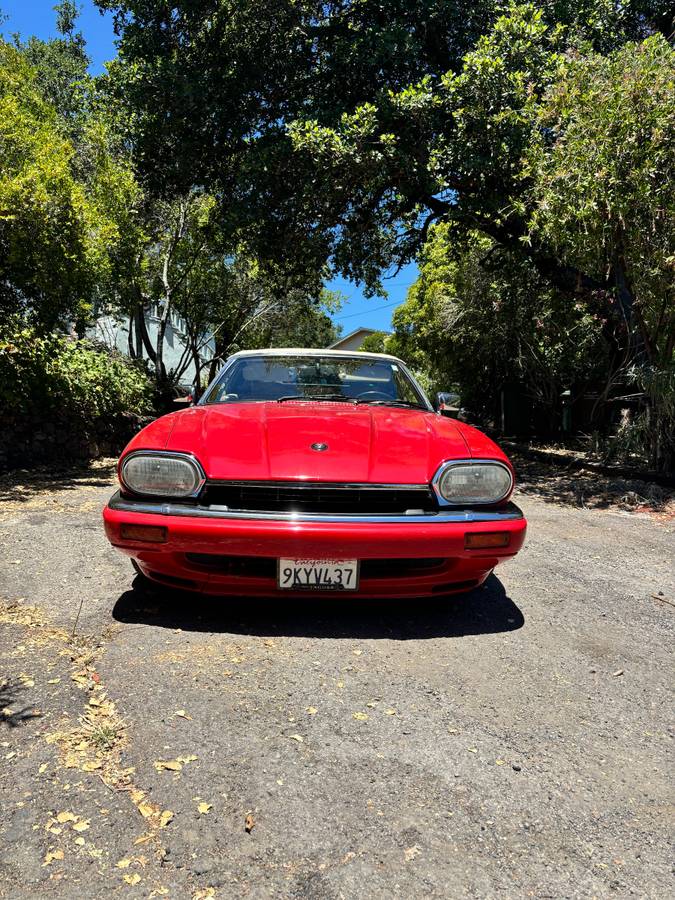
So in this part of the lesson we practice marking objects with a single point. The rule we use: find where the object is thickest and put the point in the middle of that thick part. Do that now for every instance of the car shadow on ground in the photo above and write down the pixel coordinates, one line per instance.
(486, 610)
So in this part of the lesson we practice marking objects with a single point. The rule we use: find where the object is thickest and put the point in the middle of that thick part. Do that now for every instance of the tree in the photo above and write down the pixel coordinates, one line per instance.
(603, 195)
(61, 221)
(375, 342)
(185, 266)
(301, 321)
(61, 65)
(481, 320)
(394, 117)
(389, 115)
(603, 198)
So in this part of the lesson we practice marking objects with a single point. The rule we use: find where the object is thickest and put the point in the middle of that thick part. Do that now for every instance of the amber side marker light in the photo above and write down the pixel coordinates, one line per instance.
(483, 540)
(153, 534)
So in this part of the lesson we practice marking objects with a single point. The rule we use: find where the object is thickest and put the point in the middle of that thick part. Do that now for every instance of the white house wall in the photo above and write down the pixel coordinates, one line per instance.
(114, 333)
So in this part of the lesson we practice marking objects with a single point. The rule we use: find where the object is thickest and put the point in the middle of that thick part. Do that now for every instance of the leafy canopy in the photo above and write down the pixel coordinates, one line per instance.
(63, 209)
(342, 130)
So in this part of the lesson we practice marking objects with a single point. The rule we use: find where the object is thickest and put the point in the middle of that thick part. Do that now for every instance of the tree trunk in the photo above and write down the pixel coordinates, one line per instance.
(197, 384)
(130, 336)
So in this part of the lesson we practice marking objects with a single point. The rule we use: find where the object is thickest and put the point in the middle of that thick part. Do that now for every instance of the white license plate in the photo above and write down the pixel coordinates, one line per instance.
(318, 574)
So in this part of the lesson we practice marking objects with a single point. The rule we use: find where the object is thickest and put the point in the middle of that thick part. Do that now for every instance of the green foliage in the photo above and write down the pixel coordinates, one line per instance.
(300, 321)
(388, 115)
(479, 319)
(63, 209)
(53, 375)
(375, 342)
(603, 186)
(186, 265)
(61, 67)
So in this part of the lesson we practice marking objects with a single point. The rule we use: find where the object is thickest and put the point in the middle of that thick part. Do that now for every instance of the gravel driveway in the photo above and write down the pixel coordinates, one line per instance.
(511, 743)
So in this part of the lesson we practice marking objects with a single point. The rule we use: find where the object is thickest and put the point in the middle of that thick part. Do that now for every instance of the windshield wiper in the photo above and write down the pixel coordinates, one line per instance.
(404, 403)
(317, 397)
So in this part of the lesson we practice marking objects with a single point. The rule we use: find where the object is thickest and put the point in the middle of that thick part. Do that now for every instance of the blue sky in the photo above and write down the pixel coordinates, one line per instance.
(37, 17)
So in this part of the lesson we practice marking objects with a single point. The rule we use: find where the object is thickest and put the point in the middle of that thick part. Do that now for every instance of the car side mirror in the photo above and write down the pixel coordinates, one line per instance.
(184, 401)
(447, 404)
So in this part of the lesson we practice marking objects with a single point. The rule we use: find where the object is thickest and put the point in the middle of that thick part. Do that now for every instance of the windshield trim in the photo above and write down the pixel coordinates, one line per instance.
(425, 404)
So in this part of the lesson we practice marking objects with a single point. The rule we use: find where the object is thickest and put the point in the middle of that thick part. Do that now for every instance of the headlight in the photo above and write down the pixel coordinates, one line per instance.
(469, 481)
(162, 474)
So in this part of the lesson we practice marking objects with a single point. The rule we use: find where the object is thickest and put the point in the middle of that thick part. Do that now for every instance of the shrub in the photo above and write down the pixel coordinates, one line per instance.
(52, 374)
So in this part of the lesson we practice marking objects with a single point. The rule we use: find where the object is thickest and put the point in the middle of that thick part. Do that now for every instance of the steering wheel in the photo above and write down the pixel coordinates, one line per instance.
(374, 395)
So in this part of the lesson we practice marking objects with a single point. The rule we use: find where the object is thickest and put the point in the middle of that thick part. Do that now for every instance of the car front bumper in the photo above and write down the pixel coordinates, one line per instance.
(218, 551)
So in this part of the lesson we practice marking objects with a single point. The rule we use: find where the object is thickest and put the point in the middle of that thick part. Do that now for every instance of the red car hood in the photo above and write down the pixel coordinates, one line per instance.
(272, 441)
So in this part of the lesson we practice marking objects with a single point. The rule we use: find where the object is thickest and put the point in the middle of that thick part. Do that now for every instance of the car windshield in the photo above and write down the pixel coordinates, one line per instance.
(356, 379)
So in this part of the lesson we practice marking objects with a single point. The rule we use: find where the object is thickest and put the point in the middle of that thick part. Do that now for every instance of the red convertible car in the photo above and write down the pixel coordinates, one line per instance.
(314, 470)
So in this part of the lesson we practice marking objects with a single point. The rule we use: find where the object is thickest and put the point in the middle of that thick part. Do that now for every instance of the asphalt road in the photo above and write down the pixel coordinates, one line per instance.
(512, 743)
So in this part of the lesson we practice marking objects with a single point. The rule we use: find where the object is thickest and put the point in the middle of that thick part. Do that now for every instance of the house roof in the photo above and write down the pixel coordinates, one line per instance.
(357, 331)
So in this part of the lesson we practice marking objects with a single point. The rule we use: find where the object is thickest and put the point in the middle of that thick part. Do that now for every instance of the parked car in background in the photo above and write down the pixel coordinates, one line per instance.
(314, 470)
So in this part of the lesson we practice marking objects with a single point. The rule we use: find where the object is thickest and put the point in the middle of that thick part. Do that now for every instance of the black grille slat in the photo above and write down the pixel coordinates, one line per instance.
(318, 499)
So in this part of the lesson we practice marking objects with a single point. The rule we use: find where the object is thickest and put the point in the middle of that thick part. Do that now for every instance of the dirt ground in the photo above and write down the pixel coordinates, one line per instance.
(514, 742)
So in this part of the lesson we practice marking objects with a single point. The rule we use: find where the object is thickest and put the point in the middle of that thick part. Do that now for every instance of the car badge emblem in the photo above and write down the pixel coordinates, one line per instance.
(319, 447)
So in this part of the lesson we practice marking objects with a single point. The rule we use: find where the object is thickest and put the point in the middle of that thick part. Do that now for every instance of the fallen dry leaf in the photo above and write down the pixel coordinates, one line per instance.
(411, 852)
(42, 769)
(361, 716)
(297, 737)
(147, 809)
(618, 672)
(92, 765)
(390, 712)
(52, 855)
(204, 807)
(132, 879)
(311, 710)
(64, 817)
(472, 749)
(123, 863)
(249, 823)
(144, 838)
(165, 817)
(182, 714)
(80, 841)
(186, 759)
(80, 826)
(173, 765)
(204, 894)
